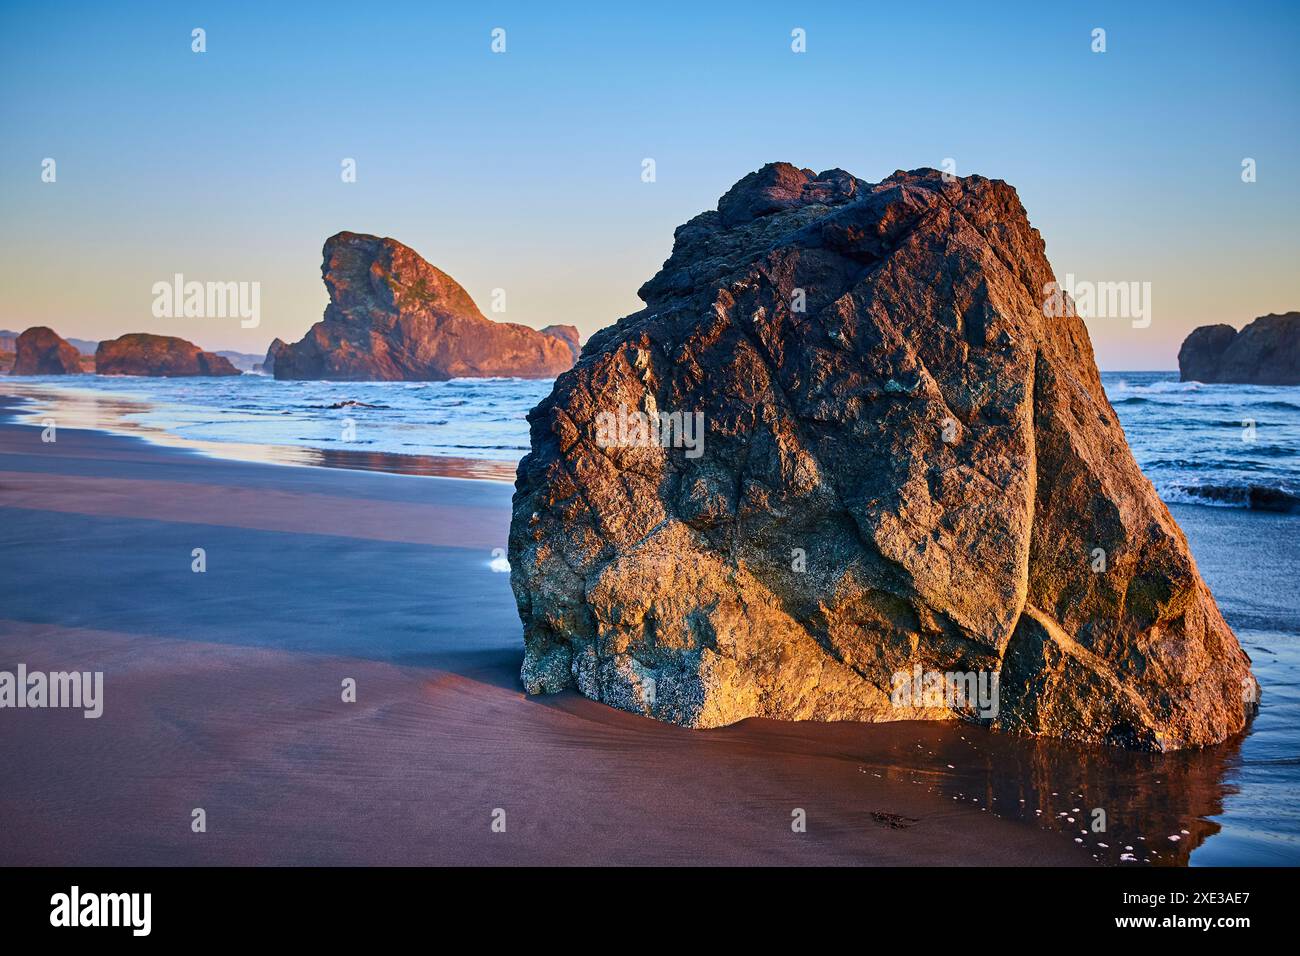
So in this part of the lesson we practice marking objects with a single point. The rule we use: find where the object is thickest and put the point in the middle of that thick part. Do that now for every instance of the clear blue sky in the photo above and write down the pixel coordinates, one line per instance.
(522, 171)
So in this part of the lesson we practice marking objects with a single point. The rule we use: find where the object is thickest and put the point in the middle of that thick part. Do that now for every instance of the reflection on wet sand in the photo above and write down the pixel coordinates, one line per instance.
(1116, 805)
(1154, 807)
(460, 620)
(119, 416)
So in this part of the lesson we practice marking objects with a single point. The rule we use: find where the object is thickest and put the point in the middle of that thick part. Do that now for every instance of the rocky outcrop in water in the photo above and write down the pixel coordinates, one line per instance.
(42, 351)
(567, 334)
(1265, 352)
(267, 365)
(843, 463)
(158, 355)
(393, 316)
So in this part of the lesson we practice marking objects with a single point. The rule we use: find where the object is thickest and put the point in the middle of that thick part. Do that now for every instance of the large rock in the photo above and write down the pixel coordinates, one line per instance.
(907, 467)
(1265, 352)
(159, 355)
(42, 351)
(392, 316)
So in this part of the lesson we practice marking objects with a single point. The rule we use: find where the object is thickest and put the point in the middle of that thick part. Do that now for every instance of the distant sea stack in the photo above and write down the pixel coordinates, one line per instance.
(393, 316)
(1265, 352)
(842, 464)
(42, 351)
(267, 365)
(158, 355)
(9, 342)
(567, 334)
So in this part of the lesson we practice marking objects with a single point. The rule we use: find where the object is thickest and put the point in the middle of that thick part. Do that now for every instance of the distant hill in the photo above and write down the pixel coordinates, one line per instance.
(241, 360)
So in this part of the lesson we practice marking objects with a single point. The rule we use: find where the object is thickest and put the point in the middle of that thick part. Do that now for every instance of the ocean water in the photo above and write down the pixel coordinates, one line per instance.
(1228, 445)
(480, 419)
(1232, 445)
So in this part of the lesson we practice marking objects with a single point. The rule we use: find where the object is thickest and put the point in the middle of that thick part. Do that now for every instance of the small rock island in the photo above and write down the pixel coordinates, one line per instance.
(42, 351)
(1265, 352)
(141, 353)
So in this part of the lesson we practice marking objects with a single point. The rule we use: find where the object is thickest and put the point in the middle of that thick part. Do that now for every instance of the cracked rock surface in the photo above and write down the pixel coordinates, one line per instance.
(905, 462)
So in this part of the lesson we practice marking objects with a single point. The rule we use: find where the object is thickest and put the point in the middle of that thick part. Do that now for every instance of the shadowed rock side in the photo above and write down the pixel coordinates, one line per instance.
(936, 456)
(159, 355)
(267, 364)
(42, 351)
(1265, 352)
(392, 316)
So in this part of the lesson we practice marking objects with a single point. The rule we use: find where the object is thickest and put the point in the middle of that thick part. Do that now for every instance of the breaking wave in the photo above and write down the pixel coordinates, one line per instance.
(1232, 446)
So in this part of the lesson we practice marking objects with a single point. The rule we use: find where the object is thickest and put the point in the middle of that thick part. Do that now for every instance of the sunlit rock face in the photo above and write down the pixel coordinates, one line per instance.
(905, 466)
(141, 353)
(394, 317)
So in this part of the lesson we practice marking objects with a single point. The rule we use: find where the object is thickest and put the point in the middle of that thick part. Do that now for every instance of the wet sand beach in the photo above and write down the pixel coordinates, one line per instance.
(222, 691)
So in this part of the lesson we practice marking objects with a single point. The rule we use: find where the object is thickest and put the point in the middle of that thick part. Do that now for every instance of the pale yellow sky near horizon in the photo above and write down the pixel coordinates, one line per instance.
(1163, 158)
(113, 296)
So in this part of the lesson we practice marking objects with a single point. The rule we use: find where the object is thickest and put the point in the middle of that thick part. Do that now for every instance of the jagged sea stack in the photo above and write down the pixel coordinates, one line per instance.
(394, 317)
(906, 463)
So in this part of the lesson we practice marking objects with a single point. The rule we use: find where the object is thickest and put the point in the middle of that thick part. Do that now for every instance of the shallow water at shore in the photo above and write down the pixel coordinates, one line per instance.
(473, 428)
(1223, 445)
(223, 683)
(130, 415)
(1230, 805)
